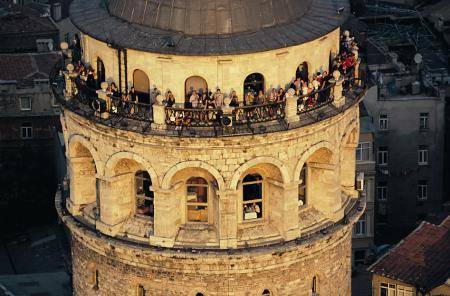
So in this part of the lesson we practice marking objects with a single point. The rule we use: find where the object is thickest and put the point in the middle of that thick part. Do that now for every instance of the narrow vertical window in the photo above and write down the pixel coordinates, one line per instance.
(144, 196)
(422, 190)
(424, 121)
(383, 122)
(423, 155)
(252, 195)
(302, 187)
(197, 200)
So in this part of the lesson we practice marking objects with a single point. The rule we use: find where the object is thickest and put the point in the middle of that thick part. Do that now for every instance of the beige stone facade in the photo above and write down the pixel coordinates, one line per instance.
(227, 72)
(223, 244)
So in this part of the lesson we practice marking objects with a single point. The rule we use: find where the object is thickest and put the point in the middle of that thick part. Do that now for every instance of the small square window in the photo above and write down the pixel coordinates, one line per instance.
(383, 122)
(26, 131)
(25, 103)
(424, 121)
(422, 190)
(423, 155)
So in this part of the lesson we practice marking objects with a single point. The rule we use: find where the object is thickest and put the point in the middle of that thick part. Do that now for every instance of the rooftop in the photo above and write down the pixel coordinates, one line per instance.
(205, 27)
(17, 19)
(421, 259)
(26, 66)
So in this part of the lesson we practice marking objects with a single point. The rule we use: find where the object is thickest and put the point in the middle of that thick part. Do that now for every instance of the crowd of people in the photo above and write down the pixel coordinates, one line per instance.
(311, 90)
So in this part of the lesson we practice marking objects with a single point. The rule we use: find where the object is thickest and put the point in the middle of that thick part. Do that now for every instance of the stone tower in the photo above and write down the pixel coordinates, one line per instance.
(168, 199)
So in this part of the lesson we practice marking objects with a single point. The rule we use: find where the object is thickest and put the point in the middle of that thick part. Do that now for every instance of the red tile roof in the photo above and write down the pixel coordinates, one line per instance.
(422, 259)
(27, 66)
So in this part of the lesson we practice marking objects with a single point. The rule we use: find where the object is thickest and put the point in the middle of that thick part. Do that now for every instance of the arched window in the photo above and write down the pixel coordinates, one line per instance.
(266, 292)
(141, 85)
(197, 200)
(314, 285)
(302, 186)
(199, 294)
(100, 72)
(302, 72)
(195, 83)
(254, 82)
(252, 197)
(144, 197)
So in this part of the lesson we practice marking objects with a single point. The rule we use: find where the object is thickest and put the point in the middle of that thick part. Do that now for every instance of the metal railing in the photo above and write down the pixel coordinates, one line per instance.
(193, 117)
(259, 113)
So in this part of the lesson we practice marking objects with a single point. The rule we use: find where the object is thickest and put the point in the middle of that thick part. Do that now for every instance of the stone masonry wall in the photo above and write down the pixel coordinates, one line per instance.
(284, 270)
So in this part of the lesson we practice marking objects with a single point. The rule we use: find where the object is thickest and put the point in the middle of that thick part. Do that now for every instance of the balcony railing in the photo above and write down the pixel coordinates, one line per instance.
(270, 117)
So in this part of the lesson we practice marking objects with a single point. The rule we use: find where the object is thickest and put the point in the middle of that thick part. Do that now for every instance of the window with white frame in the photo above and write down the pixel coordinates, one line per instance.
(422, 189)
(383, 155)
(252, 197)
(197, 200)
(424, 121)
(26, 130)
(359, 229)
(423, 155)
(383, 122)
(404, 291)
(25, 104)
(382, 191)
(363, 151)
(387, 289)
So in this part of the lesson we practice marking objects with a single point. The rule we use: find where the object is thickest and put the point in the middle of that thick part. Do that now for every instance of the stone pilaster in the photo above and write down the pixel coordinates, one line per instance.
(228, 219)
(82, 184)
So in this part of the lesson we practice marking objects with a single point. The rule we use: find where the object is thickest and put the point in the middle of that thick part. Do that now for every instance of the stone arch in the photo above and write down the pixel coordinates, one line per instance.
(73, 139)
(349, 142)
(195, 82)
(351, 134)
(101, 75)
(165, 184)
(255, 81)
(309, 152)
(303, 70)
(115, 158)
(257, 161)
(141, 84)
(319, 185)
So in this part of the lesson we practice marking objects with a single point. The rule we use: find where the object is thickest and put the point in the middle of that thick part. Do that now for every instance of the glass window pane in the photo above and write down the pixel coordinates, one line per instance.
(196, 213)
(253, 211)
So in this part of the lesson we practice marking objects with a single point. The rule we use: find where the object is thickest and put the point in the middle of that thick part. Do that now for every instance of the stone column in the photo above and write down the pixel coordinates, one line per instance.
(324, 192)
(82, 184)
(69, 75)
(337, 80)
(159, 113)
(167, 219)
(283, 207)
(116, 203)
(348, 164)
(228, 219)
(291, 106)
(103, 94)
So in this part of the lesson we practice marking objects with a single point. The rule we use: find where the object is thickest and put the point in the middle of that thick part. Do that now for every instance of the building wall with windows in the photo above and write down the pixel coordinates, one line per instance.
(409, 144)
(364, 229)
(27, 105)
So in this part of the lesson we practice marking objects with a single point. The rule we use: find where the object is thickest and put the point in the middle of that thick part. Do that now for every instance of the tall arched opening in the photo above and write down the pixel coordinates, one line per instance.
(255, 83)
(302, 72)
(84, 186)
(101, 76)
(141, 85)
(195, 83)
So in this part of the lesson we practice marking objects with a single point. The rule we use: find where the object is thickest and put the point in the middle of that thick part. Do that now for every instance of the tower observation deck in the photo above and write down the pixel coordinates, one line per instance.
(210, 147)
